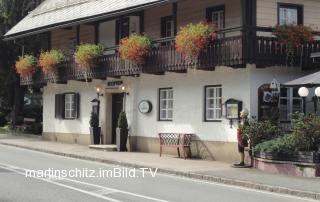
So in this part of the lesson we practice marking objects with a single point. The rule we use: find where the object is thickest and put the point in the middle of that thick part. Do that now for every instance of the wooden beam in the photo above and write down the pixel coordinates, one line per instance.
(96, 33)
(175, 17)
(141, 15)
(78, 34)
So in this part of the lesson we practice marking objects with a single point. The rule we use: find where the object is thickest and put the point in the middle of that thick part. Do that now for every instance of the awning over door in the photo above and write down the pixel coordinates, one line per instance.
(310, 80)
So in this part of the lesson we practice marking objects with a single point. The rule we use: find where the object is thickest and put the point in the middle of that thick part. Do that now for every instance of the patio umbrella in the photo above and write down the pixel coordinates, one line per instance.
(311, 80)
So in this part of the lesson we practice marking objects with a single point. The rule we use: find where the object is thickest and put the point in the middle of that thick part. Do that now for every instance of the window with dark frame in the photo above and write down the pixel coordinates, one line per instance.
(213, 103)
(167, 28)
(165, 104)
(67, 106)
(216, 15)
(289, 103)
(290, 14)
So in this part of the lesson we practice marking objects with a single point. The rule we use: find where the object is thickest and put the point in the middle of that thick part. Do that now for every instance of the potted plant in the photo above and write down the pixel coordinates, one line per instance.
(122, 132)
(194, 38)
(49, 62)
(26, 65)
(293, 37)
(95, 130)
(86, 56)
(135, 48)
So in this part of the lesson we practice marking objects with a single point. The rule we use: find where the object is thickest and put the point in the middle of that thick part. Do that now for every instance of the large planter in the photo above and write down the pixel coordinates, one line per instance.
(304, 157)
(95, 133)
(122, 138)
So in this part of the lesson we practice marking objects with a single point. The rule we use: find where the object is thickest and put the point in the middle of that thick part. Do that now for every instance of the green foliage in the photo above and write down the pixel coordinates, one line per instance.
(94, 120)
(134, 48)
(87, 53)
(34, 128)
(257, 132)
(194, 38)
(305, 132)
(122, 121)
(49, 60)
(281, 144)
(3, 120)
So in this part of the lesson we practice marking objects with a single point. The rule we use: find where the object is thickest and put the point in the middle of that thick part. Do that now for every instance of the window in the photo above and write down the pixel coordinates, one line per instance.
(167, 28)
(216, 15)
(70, 106)
(67, 106)
(213, 103)
(289, 102)
(289, 14)
(166, 104)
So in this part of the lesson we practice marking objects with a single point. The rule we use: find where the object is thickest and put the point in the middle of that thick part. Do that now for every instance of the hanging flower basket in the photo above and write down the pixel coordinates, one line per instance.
(49, 62)
(86, 55)
(192, 39)
(293, 37)
(135, 48)
(26, 65)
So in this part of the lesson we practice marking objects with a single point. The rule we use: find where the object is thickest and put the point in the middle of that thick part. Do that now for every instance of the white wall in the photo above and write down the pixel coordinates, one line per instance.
(241, 84)
(78, 126)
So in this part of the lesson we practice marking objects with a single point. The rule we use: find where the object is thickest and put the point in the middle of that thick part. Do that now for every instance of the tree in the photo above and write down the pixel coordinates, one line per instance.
(11, 12)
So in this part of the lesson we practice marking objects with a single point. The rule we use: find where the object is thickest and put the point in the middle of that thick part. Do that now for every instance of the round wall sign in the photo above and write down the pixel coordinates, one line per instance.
(145, 106)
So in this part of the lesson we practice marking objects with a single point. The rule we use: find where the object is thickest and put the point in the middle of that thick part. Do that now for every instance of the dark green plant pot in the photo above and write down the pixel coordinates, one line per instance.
(122, 138)
(95, 133)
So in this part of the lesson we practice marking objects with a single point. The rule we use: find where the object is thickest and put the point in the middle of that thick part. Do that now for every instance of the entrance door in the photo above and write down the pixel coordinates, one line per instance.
(117, 107)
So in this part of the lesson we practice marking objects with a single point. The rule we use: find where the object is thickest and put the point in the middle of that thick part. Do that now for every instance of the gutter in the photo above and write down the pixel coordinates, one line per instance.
(86, 20)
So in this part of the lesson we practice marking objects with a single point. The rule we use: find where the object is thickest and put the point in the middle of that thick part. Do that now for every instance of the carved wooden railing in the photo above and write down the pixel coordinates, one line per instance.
(232, 48)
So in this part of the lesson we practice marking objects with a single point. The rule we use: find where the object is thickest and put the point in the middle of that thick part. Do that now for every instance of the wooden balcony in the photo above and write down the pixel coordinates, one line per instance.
(233, 50)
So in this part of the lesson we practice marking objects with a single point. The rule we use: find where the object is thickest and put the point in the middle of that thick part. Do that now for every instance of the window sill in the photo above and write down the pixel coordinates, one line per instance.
(217, 121)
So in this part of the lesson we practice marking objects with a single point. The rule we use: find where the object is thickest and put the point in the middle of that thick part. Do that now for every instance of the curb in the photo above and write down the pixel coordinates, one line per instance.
(208, 178)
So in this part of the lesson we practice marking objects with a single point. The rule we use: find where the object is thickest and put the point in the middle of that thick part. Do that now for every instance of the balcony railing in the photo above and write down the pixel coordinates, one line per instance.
(231, 49)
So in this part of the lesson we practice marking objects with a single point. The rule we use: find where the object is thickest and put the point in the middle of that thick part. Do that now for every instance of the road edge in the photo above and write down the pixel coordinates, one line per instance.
(207, 178)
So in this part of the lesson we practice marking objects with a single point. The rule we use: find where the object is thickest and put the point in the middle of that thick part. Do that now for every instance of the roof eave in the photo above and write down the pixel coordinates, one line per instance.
(84, 20)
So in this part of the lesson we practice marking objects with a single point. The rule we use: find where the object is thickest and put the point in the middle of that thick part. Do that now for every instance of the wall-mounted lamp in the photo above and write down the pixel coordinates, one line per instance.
(98, 90)
(123, 89)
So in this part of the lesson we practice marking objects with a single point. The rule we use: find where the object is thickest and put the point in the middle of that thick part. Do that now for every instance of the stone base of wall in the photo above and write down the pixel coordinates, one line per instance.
(68, 138)
(209, 150)
(288, 168)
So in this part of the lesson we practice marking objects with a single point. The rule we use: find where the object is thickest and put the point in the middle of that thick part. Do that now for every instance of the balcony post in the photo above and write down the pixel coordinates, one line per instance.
(174, 17)
(249, 23)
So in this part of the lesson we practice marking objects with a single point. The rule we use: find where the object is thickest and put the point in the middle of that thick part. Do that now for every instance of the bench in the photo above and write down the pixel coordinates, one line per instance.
(176, 140)
(27, 122)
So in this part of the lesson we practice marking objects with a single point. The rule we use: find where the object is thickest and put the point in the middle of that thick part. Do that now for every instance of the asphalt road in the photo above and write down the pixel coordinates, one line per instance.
(81, 180)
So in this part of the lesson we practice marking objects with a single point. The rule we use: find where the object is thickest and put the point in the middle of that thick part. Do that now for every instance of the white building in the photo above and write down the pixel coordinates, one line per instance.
(185, 98)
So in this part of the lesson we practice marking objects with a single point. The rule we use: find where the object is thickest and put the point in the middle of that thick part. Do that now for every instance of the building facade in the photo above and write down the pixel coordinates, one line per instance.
(186, 97)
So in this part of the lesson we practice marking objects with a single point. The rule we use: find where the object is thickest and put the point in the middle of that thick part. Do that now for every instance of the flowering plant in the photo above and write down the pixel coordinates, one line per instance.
(194, 38)
(86, 54)
(135, 48)
(293, 36)
(26, 65)
(50, 59)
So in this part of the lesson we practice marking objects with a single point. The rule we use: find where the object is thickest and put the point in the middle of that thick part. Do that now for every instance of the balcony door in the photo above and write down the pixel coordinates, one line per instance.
(127, 26)
(216, 16)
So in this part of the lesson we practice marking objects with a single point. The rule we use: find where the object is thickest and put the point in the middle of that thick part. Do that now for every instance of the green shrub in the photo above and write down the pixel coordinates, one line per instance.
(122, 121)
(305, 132)
(281, 144)
(94, 120)
(257, 132)
(3, 120)
(34, 128)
